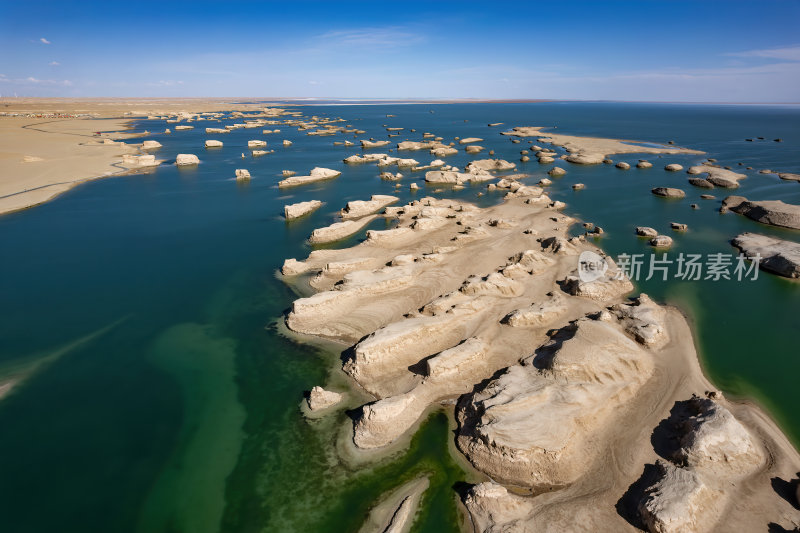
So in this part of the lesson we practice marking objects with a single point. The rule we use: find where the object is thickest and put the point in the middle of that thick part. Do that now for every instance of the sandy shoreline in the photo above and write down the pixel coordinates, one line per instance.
(41, 159)
(56, 148)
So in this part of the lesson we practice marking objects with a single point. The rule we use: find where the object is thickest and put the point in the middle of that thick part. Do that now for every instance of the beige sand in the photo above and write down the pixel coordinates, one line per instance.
(42, 157)
(395, 512)
(593, 150)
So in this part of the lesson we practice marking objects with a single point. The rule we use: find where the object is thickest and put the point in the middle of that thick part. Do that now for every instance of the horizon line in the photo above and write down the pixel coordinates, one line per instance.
(409, 100)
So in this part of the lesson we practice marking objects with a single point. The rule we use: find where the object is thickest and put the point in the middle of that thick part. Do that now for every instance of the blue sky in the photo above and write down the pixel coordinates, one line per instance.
(725, 50)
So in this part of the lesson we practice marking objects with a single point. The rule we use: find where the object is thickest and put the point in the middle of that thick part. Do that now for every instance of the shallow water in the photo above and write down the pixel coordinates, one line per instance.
(157, 393)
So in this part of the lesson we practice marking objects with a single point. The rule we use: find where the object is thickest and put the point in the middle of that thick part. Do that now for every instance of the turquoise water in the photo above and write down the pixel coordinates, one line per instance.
(157, 394)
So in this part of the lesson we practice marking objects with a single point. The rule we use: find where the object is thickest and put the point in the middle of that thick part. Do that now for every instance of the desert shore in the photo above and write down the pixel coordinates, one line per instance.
(49, 145)
(43, 157)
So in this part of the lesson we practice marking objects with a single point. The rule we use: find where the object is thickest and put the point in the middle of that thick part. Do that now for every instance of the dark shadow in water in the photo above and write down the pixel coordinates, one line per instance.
(349, 354)
(462, 488)
(355, 414)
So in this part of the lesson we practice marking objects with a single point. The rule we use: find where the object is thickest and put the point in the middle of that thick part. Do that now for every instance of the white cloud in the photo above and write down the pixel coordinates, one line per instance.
(313, 82)
(788, 53)
(164, 83)
(516, 73)
(718, 73)
(44, 41)
(55, 64)
(388, 36)
(772, 82)
(30, 80)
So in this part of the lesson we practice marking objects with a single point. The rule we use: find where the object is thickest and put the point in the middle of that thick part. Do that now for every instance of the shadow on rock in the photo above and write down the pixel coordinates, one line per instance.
(628, 506)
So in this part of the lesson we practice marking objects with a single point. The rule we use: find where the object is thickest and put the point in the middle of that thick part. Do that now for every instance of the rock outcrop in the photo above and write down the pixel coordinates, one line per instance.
(645, 231)
(661, 241)
(544, 412)
(715, 442)
(420, 145)
(777, 256)
(443, 151)
(678, 502)
(186, 160)
(701, 182)
(611, 285)
(494, 509)
(489, 164)
(563, 384)
(644, 320)
(316, 174)
(720, 177)
(770, 212)
(373, 144)
(585, 158)
(538, 314)
(587, 150)
(715, 451)
(300, 209)
(136, 161)
(361, 208)
(339, 230)
(668, 192)
(383, 421)
(151, 145)
(319, 399)
(357, 159)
